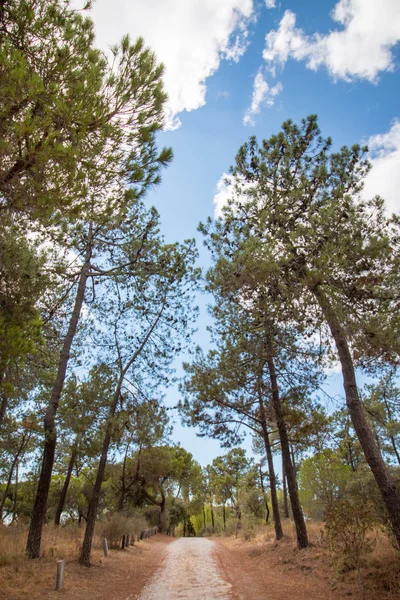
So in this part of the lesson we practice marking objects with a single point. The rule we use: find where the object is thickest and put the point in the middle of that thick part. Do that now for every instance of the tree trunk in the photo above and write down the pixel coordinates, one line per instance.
(122, 495)
(392, 440)
(94, 501)
(9, 479)
(224, 515)
(271, 470)
(40, 505)
(383, 478)
(3, 407)
(61, 501)
(293, 459)
(285, 494)
(14, 511)
(162, 511)
(265, 496)
(301, 531)
(14, 464)
(212, 515)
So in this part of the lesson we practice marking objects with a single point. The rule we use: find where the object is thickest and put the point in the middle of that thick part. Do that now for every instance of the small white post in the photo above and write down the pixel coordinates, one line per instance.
(105, 546)
(60, 575)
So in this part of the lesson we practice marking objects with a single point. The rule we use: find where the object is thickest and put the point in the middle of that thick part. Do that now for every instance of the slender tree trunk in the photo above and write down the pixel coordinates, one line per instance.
(3, 407)
(24, 441)
(162, 511)
(271, 473)
(265, 496)
(40, 505)
(298, 516)
(212, 515)
(285, 494)
(392, 440)
(122, 495)
(224, 515)
(94, 501)
(383, 478)
(63, 495)
(293, 459)
(14, 511)
(9, 479)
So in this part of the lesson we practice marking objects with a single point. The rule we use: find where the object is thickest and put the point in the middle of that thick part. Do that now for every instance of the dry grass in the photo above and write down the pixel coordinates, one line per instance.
(57, 542)
(19, 574)
(119, 576)
(380, 570)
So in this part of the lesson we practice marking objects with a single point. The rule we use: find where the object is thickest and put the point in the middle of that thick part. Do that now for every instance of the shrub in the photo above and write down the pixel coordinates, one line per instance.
(347, 526)
(118, 525)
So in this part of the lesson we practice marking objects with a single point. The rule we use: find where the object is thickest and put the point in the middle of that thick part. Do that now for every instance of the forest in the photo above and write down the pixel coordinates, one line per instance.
(97, 310)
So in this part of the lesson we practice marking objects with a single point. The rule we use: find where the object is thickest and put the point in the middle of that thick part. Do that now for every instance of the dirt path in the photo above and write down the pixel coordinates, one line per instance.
(190, 571)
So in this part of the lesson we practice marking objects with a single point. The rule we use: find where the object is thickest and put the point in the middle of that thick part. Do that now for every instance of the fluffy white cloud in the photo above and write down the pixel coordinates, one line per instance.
(223, 193)
(384, 178)
(360, 48)
(270, 3)
(263, 95)
(189, 37)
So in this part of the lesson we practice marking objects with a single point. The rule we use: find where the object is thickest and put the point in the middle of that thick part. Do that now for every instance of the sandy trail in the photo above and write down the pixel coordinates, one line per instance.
(189, 571)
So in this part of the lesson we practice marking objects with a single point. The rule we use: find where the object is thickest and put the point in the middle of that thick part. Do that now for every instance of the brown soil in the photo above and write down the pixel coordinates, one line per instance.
(120, 576)
(269, 570)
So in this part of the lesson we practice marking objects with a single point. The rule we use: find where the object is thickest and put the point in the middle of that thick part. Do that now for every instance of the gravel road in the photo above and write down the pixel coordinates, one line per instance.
(190, 571)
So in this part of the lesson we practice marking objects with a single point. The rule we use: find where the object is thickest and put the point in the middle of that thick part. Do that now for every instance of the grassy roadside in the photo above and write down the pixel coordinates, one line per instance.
(255, 562)
(123, 573)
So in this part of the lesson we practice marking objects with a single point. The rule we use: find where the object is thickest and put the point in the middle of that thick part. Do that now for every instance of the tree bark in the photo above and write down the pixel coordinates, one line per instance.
(271, 470)
(301, 531)
(63, 495)
(94, 501)
(162, 510)
(42, 492)
(122, 495)
(14, 512)
(265, 496)
(383, 478)
(3, 407)
(212, 515)
(285, 494)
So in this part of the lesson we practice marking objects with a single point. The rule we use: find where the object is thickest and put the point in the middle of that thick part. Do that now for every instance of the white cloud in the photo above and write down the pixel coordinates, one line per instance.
(189, 37)
(360, 49)
(270, 3)
(230, 188)
(263, 95)
(223, 194)
(384, 178)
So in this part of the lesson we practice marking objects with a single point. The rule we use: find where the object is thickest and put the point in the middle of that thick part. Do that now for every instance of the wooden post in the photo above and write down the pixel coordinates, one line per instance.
(105, 546)
(60, 575)
(123, 542)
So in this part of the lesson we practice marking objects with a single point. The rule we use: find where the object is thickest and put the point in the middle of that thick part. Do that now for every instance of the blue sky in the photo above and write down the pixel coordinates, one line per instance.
(236, 68)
